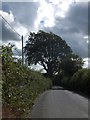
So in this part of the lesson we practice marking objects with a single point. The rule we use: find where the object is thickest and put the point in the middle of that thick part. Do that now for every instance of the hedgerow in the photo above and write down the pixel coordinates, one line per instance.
(20, 85)
(80, 81)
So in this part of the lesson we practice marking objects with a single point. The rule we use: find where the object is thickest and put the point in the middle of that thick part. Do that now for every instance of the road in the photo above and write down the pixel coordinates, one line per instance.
(60, 104)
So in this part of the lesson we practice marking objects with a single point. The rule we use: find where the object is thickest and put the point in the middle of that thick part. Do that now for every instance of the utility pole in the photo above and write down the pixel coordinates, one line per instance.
(22, 52)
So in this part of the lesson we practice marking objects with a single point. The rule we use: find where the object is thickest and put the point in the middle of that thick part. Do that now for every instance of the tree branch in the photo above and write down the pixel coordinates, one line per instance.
(42, 63)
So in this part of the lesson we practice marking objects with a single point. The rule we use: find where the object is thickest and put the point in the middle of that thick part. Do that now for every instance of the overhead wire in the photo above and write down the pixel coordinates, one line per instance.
(15, 32)
(10, 25)
(12, 29)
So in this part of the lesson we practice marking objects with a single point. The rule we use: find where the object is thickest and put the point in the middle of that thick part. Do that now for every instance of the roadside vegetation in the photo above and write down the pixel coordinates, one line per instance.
(53, 53)
(63, 66)
(79, 82)
(20, 85)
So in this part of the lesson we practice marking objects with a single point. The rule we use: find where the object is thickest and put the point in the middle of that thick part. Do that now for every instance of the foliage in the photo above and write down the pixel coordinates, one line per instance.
(7, 53)
(20, 85)
(52, 52)
(71, 64)
(80, 81)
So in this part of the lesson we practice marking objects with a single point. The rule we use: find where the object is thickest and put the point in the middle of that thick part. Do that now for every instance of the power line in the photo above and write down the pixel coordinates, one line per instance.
(10, 25)
(17, 34)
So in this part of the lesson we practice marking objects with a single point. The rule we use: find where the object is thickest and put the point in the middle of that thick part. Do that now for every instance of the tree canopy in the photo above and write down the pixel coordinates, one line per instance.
(50, 51)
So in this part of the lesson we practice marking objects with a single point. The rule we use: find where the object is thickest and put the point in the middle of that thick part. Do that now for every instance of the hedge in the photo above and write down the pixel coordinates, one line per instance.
(80, 81)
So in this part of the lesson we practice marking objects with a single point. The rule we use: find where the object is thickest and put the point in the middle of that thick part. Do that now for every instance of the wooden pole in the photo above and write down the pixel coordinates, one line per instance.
(22, 52)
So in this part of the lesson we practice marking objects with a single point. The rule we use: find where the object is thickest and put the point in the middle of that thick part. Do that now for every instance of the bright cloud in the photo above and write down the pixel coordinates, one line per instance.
(86, 38)
(62, 7)
(46, 14)
(61, 17)
(85, 0)
(21, 29)
(8, 33)
(8, 16)
(38, 68)
(9, 36)
(86, 63)
(48, 10)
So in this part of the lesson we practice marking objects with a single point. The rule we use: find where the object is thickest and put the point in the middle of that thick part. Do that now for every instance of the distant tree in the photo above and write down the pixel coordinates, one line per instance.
(50, 51)
(71, 64)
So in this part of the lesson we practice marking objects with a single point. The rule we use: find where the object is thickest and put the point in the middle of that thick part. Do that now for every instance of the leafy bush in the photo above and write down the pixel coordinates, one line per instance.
(20, 85)
(80, 81)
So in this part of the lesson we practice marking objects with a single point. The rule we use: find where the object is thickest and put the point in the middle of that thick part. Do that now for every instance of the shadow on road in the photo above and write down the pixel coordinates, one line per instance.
(75, 92)
(57, 88)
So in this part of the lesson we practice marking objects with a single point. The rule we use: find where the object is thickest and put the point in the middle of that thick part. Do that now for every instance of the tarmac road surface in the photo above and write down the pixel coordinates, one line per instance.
(60, 104)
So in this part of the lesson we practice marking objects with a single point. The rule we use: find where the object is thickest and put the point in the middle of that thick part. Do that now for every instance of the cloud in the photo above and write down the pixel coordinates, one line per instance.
(89, 19)
(66, 19)
(76, 19)
(8, 34)
(13, 31)
(24, 12)
(73, 28)
(78, 16)
(45, 13)
(20, 1)
(48, 10)
(38, 68)
(86, 63)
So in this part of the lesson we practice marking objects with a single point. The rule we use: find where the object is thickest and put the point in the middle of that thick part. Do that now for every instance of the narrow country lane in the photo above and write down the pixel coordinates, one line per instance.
(60, 104)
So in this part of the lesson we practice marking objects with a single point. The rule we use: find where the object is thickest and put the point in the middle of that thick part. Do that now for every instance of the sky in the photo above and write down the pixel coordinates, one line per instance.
(66, 18)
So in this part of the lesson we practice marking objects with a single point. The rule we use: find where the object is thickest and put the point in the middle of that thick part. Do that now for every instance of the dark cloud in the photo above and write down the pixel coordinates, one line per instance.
(73, 28)
(76, 20)
(8, 34)
(78, 16)
(78, 44)
(74, 40)
(24, 12)
(89, 19)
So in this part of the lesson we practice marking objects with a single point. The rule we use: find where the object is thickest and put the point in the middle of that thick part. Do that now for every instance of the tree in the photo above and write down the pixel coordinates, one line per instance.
(71, 64)
(48, 50)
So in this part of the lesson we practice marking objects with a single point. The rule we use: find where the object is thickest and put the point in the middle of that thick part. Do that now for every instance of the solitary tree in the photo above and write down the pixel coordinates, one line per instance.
(48, 50)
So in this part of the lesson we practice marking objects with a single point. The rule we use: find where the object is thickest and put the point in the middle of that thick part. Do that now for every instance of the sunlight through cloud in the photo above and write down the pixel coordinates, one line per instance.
(48, 10)
(45, 13)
